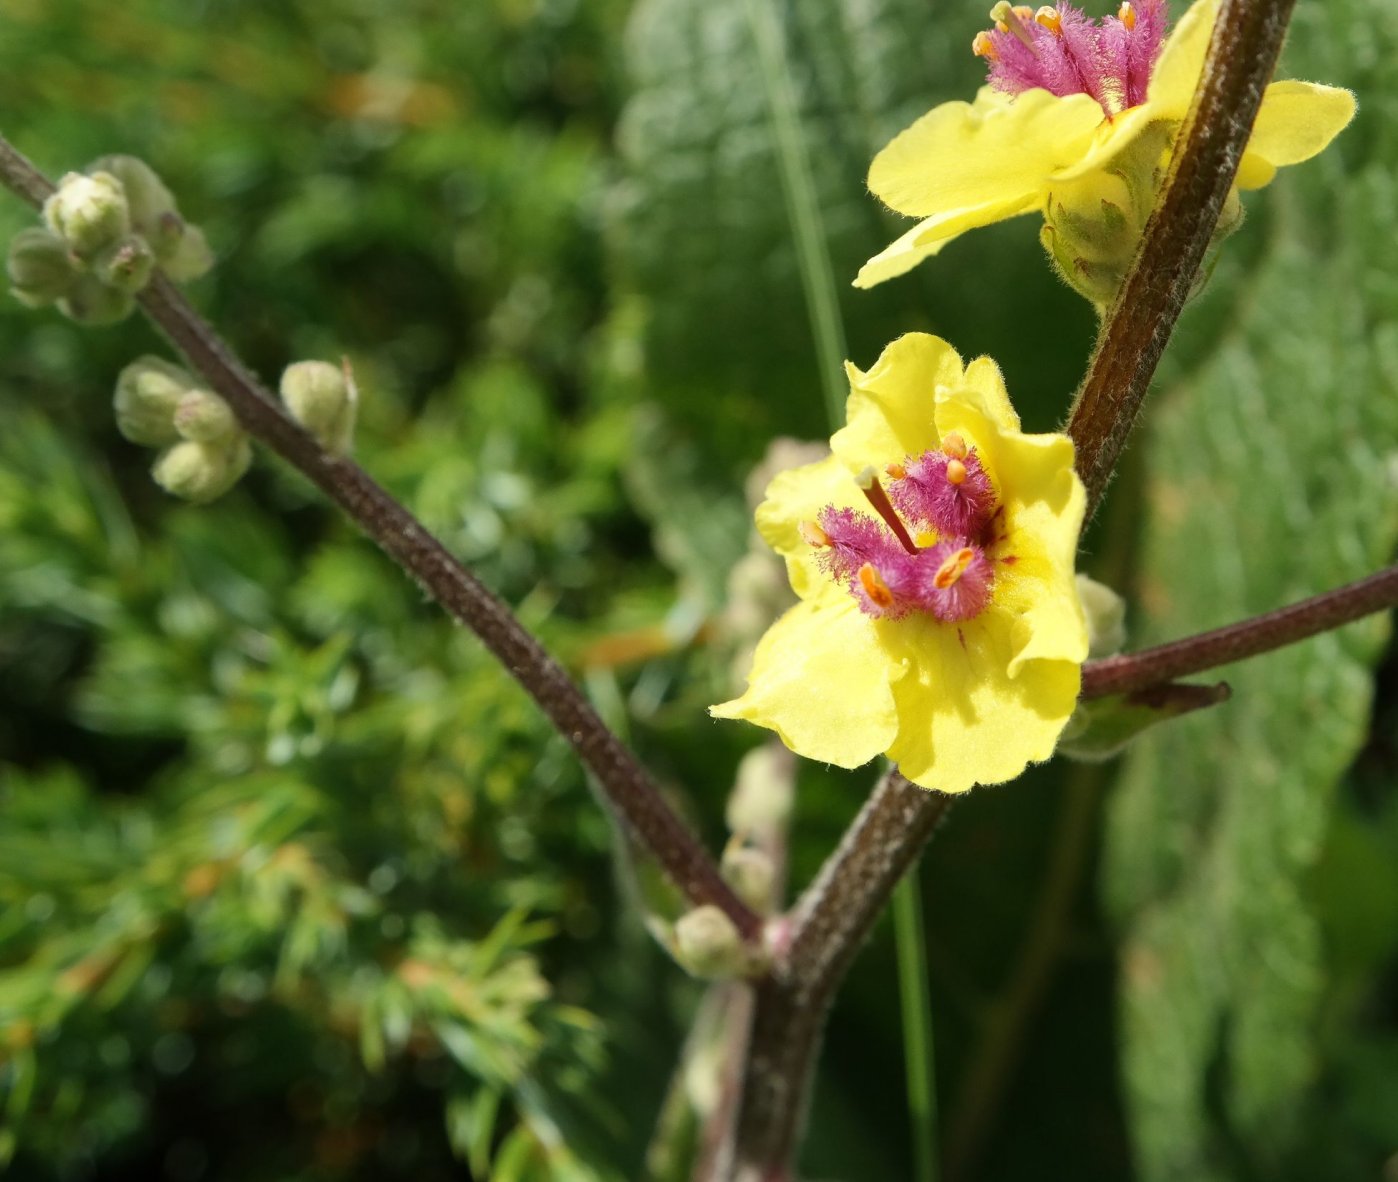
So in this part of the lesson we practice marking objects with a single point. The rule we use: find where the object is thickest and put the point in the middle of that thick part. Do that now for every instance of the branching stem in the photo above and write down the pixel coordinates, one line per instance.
(628, 789)
(1132, 672)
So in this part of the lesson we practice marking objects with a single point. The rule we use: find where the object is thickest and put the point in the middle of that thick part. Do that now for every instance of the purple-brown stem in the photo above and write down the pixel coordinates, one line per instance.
(1133, 672)
(1246, 43)
(626, 786)
(828, 925)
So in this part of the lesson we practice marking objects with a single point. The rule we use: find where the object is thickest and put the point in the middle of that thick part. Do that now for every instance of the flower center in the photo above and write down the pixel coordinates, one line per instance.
(1063, 51)
(942, 569)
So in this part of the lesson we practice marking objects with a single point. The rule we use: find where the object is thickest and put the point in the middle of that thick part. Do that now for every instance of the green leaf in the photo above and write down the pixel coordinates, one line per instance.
(1272, 453)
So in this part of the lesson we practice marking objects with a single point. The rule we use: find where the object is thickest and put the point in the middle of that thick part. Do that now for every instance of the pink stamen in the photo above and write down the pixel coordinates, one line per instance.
(950, 493)
(1063, 51)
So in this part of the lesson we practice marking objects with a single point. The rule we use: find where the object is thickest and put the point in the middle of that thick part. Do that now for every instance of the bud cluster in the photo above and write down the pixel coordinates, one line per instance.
(203, 450)
(105, 232)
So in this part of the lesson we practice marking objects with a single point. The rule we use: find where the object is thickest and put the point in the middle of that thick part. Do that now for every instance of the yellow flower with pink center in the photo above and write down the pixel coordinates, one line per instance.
(1076, 123)
(933, 551)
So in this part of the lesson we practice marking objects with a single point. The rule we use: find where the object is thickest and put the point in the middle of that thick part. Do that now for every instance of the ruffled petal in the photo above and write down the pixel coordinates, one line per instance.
(1296, 121)
(984, 385)
(962, 720)
(797, 495)
(821, 680)
(961, 159)
(891, 409)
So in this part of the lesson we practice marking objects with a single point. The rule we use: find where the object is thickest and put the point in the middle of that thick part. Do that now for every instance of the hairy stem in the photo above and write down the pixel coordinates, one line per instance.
(1242, 56)
(1132, 672)
(626, 786)
(827, 926)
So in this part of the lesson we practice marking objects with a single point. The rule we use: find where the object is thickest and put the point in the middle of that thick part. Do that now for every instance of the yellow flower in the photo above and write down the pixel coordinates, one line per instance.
(938, 623)
(964, 165)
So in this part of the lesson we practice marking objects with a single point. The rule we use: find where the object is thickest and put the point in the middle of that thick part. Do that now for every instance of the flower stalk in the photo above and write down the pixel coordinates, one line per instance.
(1135, 672)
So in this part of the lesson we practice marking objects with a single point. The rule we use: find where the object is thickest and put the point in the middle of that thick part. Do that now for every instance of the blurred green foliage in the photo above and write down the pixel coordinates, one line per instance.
(294, 883)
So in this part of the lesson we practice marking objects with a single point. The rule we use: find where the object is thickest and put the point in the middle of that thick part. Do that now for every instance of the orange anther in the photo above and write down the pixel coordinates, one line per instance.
(954, 446)
(983, 46)
(1049, 19)
(1127, 15)
(896, 471)
(956, 472)
(952, 568)
(812, 534)
(874, 586)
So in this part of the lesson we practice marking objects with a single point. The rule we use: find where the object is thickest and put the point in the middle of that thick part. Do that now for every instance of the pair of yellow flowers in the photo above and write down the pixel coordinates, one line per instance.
(933, 551)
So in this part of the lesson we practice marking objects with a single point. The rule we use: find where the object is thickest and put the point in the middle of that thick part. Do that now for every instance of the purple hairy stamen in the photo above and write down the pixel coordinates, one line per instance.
(1063, 51)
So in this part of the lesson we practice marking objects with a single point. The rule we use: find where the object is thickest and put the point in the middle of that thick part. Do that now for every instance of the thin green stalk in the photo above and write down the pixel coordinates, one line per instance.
(802, 208)
(915, 1000)
(822, 305)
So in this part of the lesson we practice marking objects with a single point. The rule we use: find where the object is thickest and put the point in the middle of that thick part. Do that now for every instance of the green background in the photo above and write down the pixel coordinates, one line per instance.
(295, 884)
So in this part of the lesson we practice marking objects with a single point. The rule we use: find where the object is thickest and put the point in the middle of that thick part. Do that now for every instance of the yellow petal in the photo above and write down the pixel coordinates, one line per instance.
(797, 495)
(1295, 122)
(1176, 74)
(891, 409)
(962, 720)
(961, 160)
(931, 234)
(984, 385)
(821, 680)
(1044, 501)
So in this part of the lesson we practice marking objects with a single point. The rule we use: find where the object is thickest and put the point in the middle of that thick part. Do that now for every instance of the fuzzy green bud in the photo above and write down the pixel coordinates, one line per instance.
(708, 945)
(752, 876)
(147, 198)
(89, 213)
(125, 265)
(90, 301)
(204, 417)
(200, 472)
(1106, 617)
(180, 249)
(323, 399)
(39, 267)
(763, 791)
(189, 258)
(148, 392)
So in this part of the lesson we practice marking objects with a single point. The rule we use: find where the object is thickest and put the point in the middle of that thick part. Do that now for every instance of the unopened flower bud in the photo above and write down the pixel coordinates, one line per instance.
(125, 265)
(322, 398)
(88, 212)
(90, 301)
(204, 417)
(751, 875)
(180, 249)
(147, 198)
(1106, 617)
(39, 266)
(199, 472)
(148, 391)
(189, 258)
(763, 791)
(708, 945)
